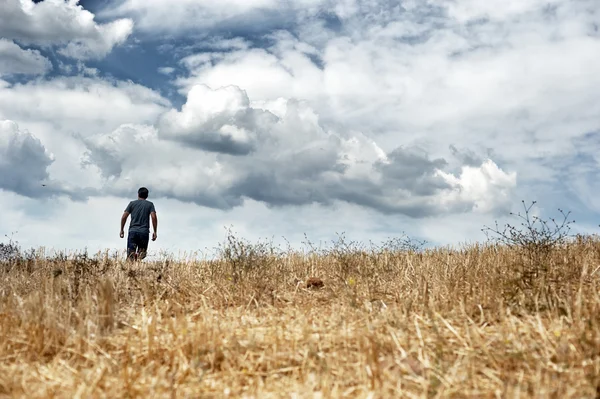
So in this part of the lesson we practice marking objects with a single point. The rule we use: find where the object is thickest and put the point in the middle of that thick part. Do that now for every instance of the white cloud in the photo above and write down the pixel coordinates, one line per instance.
(81, 105)
(61, 110)
(467, 10)
(436, 76)
(15, 60)
(262, 74)
(489, 187)
(219, 151)
(166, 70)
(133, 156)
(61, 23)
(217, 120)
(159, 16)
(24, 163)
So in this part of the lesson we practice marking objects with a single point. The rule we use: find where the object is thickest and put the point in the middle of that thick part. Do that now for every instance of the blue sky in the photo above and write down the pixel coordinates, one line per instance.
(369, 117)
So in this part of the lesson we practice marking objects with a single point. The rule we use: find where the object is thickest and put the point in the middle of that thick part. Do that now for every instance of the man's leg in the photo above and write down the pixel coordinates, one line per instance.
(143, 245)
(131, 246)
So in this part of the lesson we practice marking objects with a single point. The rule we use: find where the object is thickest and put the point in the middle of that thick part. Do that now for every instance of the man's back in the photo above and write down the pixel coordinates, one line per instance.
(140, 210)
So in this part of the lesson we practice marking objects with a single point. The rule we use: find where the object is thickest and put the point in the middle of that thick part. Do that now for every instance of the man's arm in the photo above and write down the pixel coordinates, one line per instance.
(124, 217)
(123, 220)
(154, 224)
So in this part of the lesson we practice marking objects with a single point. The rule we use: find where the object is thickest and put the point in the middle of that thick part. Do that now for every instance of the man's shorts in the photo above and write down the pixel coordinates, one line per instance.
(137, 242)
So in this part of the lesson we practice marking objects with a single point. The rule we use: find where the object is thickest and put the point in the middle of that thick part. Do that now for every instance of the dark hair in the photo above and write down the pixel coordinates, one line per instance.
(143, 193)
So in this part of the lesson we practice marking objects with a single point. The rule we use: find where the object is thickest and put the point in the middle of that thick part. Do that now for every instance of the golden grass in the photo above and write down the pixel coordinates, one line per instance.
(441, 323)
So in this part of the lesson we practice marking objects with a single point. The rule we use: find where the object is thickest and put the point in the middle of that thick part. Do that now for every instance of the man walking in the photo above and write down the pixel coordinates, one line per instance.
(141, 210)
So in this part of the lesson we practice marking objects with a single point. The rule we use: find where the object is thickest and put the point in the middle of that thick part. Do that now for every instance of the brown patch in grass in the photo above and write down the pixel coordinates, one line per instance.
(314, 282)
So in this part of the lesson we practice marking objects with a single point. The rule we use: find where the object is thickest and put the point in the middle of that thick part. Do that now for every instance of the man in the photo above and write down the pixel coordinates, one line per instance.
(141, 210)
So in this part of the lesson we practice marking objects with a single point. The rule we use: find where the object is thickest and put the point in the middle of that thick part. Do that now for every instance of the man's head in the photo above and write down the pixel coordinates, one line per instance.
(143, 193)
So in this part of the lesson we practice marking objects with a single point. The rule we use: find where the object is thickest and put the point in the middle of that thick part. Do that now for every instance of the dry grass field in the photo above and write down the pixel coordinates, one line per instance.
(487, 321)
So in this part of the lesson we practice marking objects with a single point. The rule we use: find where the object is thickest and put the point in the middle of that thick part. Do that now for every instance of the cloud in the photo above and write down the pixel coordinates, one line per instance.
(161, 16)
(166, 70)
(134, 156)
(486, 186)
(469, 10)
(61, 23)
(496, 80)
(81, 105)
(466, 156)
(60, 111)
(14, 60)
(282, 158)
(23, 165)
(217, 120)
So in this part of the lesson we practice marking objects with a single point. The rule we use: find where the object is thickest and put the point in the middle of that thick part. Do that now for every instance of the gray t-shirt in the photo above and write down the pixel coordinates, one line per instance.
(140, 215)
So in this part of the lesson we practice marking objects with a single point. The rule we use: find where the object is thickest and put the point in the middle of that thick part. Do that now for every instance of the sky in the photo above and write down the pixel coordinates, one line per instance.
(286, 120)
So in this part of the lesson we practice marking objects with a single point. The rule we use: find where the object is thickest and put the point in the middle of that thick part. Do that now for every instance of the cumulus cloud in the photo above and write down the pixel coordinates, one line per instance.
(217, 120)
(23, 165)
(496, 79)
(284, 157)
(15, 60)
(81, 105)
(486, 186)
(61, 23)
(133, 156)
(59, 111)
